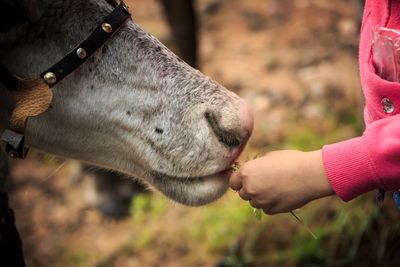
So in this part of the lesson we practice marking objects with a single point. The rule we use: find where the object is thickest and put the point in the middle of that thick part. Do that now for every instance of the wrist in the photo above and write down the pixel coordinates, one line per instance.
(318, 181)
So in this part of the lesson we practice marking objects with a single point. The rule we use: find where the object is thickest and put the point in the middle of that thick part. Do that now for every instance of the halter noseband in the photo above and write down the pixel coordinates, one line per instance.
(33, 97)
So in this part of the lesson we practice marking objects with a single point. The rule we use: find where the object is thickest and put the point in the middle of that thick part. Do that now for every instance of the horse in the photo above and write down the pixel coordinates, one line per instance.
(133, 106)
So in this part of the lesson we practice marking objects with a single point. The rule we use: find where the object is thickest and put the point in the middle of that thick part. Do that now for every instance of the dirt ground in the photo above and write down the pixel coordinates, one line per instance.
(294, 61)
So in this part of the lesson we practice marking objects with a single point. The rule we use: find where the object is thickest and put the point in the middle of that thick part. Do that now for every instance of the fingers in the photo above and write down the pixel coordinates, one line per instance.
(238, 182)
(255, 204)
(235, 181)
(244, 195)
(269, 211)
(268, 208)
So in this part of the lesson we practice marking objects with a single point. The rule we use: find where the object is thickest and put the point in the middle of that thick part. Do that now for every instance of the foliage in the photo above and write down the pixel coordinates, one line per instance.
(219, 225)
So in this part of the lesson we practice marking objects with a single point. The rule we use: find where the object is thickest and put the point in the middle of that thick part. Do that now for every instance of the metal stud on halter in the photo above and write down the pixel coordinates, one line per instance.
(107, 27)
(81, 53)
(50, 78)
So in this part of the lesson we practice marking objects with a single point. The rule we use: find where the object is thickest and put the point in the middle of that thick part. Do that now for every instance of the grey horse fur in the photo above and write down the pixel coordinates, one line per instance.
(133, 106)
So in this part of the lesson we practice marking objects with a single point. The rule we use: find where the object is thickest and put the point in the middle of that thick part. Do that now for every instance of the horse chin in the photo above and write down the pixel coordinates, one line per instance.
(192, 191)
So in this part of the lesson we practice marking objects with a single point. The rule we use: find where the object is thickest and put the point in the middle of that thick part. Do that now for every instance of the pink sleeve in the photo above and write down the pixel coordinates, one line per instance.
(364, 163)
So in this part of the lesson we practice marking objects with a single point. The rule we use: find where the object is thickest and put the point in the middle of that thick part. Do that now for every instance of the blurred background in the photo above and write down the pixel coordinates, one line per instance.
(295, 62)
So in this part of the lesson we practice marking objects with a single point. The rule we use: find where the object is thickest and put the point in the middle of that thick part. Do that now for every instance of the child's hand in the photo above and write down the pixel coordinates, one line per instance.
(282, 181)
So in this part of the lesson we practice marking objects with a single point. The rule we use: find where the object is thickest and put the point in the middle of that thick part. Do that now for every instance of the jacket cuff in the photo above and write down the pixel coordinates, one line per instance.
(349, 168)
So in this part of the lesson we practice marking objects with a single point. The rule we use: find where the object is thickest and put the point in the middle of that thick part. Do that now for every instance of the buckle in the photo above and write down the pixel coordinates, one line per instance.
(15, 144)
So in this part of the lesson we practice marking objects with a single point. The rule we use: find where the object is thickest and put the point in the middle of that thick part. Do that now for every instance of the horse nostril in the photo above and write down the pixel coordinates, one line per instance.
(230, 139)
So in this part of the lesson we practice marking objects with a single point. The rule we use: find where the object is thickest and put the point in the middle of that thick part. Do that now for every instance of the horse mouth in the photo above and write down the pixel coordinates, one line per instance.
(192, 191)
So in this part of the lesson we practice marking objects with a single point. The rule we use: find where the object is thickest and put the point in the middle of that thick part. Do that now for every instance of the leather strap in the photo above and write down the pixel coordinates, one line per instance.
(113, 3)
(8, 79)
(33, 97)
(90, 45)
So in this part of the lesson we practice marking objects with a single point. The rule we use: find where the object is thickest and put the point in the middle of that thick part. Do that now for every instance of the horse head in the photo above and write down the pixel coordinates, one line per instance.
(133, 106)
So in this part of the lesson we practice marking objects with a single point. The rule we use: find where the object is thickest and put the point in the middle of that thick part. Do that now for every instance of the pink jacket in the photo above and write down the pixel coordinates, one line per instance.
(372, 160)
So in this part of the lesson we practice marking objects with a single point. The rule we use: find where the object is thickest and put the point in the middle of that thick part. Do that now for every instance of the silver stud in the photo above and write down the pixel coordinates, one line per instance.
(387, 105)
(81, 53)
(50, 78)
(107, 27)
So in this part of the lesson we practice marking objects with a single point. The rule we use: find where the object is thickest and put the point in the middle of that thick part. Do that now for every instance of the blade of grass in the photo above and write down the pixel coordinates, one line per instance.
(257, 213)
(305, 225)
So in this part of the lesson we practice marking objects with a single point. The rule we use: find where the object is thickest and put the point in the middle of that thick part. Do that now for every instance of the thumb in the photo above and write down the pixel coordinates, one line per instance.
(235, 181)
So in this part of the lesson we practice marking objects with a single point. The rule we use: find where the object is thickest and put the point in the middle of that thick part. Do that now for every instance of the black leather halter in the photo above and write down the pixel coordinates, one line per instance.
(15, 141)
